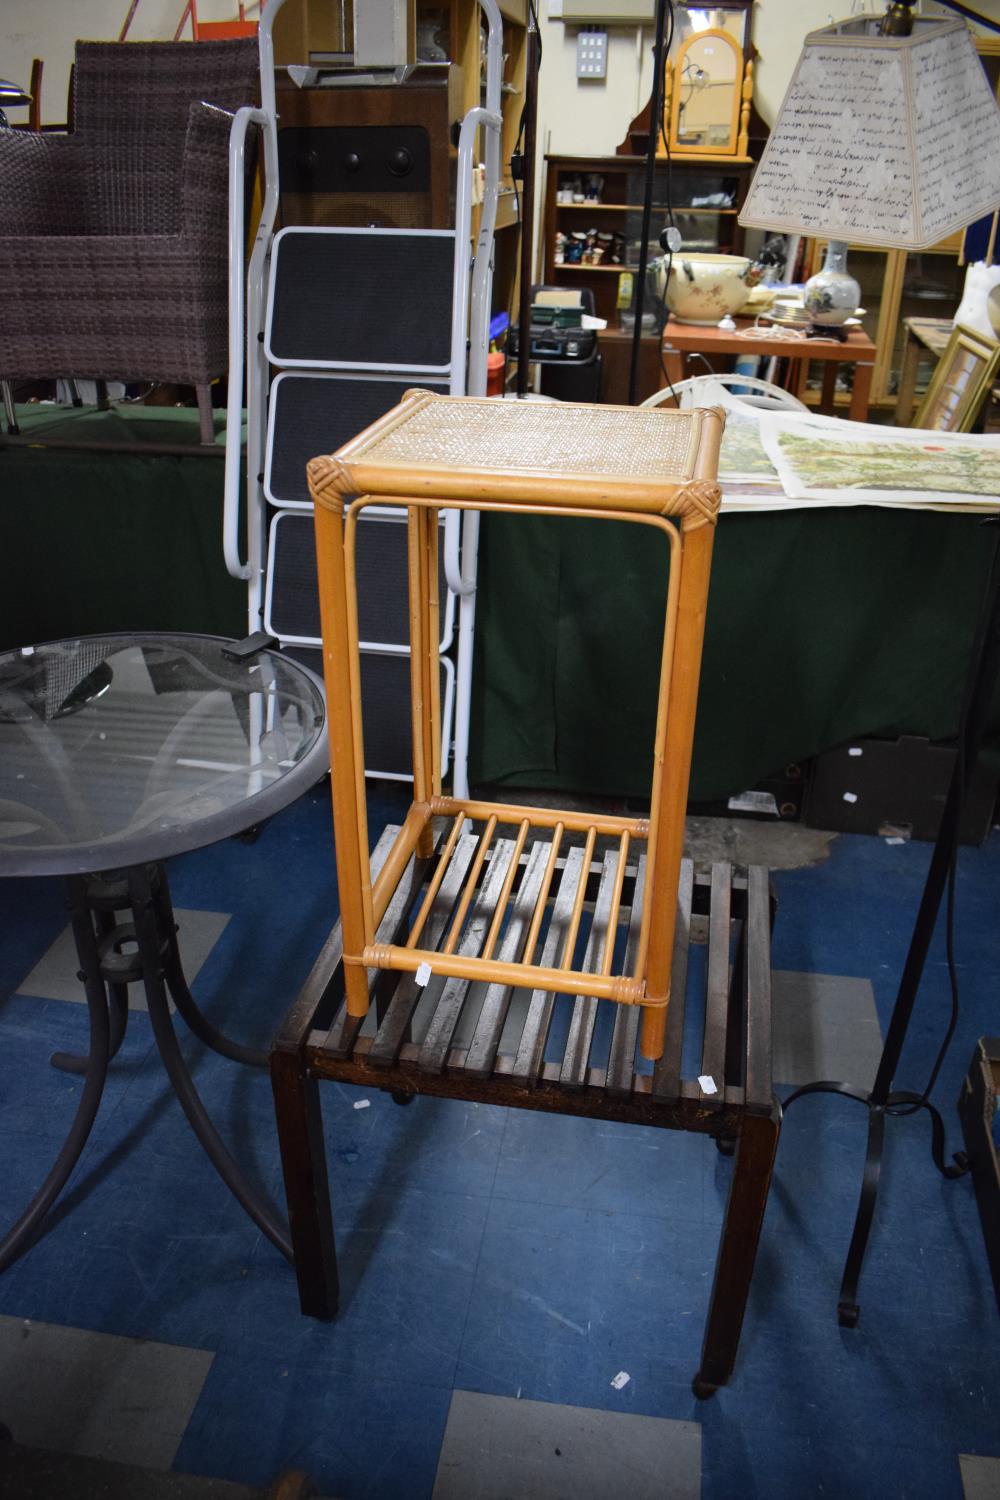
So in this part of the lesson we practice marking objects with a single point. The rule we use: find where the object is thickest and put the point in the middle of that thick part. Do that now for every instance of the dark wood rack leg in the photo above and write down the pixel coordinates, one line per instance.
(307, 1189)
(755, 1153)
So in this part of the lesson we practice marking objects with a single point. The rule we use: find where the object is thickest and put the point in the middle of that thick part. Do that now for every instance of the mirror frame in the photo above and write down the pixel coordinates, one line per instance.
(740, 111)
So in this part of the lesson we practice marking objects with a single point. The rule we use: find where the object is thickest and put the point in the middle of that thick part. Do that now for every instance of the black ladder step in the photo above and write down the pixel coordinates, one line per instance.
(365, 298)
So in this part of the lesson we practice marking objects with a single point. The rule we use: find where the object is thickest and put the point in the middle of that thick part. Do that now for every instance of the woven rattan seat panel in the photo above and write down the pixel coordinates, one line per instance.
(557, 438)
(347, 297)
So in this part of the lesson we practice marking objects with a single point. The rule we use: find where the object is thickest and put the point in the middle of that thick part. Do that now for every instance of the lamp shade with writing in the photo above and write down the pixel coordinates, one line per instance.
(890, 141)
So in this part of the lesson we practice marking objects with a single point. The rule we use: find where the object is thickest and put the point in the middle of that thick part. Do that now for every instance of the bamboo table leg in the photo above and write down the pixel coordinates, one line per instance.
(755, 1152)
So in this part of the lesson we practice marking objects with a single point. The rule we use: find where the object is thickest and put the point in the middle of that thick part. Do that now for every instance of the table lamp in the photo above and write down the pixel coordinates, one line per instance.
(889, 135)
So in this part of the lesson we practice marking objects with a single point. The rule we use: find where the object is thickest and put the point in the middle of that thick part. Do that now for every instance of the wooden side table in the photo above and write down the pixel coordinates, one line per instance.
(681, 340)
(923, 337)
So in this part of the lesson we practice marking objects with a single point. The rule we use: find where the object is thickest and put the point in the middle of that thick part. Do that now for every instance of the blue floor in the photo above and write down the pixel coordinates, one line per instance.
(515, 1254)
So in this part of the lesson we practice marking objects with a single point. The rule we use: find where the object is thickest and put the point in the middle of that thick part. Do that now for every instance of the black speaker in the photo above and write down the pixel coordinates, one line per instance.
(369, 157)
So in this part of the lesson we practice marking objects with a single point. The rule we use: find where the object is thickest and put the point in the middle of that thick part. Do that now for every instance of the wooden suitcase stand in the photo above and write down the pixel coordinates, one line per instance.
(475, 916)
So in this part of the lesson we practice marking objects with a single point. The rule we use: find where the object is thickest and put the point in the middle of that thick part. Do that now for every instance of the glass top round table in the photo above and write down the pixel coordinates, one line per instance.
(121, 749)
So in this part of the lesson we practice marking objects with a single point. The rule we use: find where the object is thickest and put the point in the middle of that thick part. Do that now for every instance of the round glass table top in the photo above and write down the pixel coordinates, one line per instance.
(123, 748)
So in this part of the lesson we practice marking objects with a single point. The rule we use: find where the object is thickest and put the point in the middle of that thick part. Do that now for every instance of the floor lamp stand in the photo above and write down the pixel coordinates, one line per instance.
(882, 1100)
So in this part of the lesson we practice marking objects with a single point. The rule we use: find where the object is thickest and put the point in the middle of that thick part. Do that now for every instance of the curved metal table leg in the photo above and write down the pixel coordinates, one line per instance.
(117, 994)
(181, 995)
(17, 1239)
(147, 929)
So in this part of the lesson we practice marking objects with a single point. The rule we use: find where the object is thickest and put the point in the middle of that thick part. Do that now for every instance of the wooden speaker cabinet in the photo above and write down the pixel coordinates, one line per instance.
(369, 156)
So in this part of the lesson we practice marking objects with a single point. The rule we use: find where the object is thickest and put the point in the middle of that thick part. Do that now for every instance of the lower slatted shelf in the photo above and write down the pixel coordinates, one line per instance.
(517, 896)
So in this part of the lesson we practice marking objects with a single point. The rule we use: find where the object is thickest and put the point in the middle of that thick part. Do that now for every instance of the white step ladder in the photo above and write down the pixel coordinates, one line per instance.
(335, 324)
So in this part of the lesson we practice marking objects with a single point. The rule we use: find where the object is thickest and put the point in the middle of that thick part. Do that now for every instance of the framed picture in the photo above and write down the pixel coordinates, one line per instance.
(959, 385)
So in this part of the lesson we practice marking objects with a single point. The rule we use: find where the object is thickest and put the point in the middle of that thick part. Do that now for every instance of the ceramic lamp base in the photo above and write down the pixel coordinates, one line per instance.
(832, 295)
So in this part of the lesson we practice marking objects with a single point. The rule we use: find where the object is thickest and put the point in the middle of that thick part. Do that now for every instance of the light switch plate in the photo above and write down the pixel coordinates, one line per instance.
(592, 54)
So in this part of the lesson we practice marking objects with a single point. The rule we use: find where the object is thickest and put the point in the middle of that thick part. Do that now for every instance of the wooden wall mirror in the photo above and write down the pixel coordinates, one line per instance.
(706, 87)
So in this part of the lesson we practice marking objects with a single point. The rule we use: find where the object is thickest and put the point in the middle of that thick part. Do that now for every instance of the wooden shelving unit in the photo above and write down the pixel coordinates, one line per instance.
(620, 208)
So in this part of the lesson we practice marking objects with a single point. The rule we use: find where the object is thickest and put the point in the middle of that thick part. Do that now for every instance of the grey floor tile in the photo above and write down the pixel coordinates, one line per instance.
(497, 1448)
(54, 976)
(824, 1026)
(37, 1474)
(98, 1394)
(980, 1477)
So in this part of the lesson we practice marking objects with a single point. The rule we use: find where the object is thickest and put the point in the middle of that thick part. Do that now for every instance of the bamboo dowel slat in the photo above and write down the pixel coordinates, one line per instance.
(470, 886)
(494, 932)
(435, 883)
(492, 971)
(543, 895)
(581, 891)
(615, 907)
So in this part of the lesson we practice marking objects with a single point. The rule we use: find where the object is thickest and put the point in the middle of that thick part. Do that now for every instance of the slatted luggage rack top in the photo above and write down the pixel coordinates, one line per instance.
(525, 1046)
(655, 468)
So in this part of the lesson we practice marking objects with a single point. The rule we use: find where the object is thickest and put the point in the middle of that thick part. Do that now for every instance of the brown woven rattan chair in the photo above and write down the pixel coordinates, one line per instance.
(114, 239)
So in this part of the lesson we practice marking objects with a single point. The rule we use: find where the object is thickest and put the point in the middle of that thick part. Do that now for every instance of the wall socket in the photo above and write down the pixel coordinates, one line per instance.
(592, 54)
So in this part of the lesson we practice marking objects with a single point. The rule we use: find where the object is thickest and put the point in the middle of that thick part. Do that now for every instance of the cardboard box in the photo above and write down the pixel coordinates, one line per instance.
(883, 786)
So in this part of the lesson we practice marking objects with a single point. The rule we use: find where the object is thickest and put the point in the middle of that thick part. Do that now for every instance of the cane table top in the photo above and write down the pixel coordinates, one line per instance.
(609, 458)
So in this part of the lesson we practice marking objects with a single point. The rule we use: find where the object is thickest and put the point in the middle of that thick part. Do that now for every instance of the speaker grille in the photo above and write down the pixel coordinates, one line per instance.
(292, 605)
(367, 159)
(312, 415)
(362, 297)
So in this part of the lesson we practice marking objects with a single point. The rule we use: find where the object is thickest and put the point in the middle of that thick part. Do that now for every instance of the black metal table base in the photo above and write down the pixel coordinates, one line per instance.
(113, 955)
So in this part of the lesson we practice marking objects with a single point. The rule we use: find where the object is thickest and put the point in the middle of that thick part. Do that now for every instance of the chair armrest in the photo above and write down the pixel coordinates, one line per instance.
(47, 185)
(205, 175)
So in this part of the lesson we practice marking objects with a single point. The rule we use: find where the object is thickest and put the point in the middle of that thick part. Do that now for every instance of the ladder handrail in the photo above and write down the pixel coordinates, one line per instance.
(239, 279)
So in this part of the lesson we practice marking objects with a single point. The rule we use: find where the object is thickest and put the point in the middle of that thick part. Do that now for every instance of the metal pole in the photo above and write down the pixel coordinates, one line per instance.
(655, 110)
(528, 207)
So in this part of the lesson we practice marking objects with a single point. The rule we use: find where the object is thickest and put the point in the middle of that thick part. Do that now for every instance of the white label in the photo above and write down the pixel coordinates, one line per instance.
(850, 796)
(895, 840)
(423, 973)
(855, 750)
(362, 1103)
(707, 1083)
(760, 802)
(621, 1379)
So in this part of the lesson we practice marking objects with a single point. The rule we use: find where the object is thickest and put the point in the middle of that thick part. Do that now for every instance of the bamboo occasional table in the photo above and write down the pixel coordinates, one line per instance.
(469, 902)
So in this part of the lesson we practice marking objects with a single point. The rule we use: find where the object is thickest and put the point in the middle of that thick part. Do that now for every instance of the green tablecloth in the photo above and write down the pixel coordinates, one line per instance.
(112, 541)
(823, 624)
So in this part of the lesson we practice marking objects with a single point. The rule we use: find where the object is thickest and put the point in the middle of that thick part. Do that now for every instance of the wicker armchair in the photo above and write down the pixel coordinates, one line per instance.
(113, 240)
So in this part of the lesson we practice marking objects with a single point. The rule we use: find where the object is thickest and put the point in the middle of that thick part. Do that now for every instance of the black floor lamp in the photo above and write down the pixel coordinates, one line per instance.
(883, 1101)
(832, 170)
